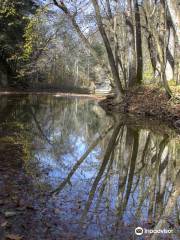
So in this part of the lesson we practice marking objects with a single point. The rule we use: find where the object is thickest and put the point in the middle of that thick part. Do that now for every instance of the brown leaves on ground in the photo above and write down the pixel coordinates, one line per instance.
(152, 102)
(13, 237)
(146, 101)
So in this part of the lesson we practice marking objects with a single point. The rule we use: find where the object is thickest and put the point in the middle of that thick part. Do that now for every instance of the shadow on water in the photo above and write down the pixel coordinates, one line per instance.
(69, 171)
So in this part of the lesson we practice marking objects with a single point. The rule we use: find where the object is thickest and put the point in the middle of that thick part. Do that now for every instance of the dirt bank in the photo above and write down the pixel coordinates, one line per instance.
(149, 102)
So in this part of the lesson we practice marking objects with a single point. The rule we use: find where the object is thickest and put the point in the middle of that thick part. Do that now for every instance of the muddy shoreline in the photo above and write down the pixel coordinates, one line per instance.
(53, 93)
(141, 102)
(146, 103)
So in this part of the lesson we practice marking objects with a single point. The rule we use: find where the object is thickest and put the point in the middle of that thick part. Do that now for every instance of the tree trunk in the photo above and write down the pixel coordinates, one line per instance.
(111, 59)
(109, 9)
(132, 77)
(139, 60)
(64, 8)
(158, 38)
(170, 54)
(173, 8)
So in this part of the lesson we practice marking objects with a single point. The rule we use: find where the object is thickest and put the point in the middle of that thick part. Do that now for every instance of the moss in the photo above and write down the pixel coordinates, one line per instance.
(148, 76)
(172, 82)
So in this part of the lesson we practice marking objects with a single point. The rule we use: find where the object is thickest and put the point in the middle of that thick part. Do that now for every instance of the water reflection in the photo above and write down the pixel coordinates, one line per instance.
(106, 176)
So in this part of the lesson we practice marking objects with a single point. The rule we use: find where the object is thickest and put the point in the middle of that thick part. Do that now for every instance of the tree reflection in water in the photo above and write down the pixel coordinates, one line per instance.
(109, 176)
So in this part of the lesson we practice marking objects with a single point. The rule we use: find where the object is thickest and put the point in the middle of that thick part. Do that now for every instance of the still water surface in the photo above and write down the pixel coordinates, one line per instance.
(104, 175)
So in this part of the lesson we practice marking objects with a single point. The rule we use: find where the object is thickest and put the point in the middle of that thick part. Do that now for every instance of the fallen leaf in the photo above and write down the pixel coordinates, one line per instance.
(13, 237)
(9, 214)
(4, 224)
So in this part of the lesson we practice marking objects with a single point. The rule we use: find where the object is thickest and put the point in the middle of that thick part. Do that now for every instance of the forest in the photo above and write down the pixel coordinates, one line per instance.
(89, 119)
(119, 44)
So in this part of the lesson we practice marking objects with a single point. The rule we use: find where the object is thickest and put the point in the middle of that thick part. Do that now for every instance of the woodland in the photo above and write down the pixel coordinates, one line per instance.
(90, 43)
(129, 49)
(89, 119)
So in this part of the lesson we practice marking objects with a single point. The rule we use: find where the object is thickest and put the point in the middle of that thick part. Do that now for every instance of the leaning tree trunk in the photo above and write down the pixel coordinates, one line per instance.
(112, 63)
(170, 54)
(162, 48)
(174, 11)
(72, 18)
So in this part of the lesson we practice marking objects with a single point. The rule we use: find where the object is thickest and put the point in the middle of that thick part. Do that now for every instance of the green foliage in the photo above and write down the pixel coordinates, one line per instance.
(33, 33)
(30, 37)
(7, 9)
(13, 19)
(14, 16)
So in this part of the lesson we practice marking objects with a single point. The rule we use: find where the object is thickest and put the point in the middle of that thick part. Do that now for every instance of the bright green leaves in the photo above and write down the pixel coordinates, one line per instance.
(14, 18)
(32, 34)
(30, 37)
(7, 8)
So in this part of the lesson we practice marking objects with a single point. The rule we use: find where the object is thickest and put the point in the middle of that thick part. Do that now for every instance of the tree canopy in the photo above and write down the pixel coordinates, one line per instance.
(114, 44)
